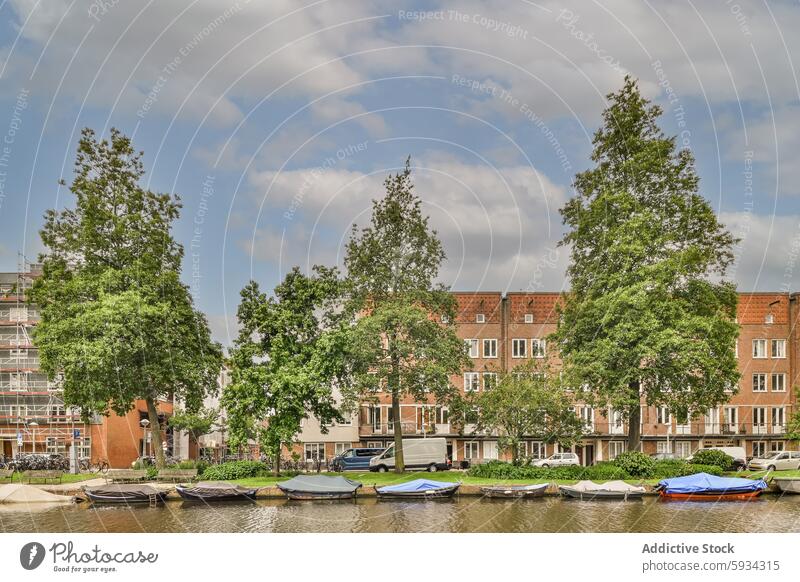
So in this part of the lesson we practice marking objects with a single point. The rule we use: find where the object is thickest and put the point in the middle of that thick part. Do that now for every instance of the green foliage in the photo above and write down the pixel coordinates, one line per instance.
(234, 470)
(666, 468)
(198, 423)
(403, 339)
(527, 402)
(793, 428)
(602, 471)
(117, 323)
(284, 361)
(649, 315)
(635, 463)
(713, 457)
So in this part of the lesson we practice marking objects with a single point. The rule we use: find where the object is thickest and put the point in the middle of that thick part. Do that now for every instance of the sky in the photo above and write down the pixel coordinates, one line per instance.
(277, 122)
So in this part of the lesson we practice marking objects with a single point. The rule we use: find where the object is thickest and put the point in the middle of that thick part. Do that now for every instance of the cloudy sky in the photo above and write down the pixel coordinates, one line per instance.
(277, 122)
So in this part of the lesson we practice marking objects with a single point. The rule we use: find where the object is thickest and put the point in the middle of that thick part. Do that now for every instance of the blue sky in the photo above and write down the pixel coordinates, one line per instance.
(277, 123)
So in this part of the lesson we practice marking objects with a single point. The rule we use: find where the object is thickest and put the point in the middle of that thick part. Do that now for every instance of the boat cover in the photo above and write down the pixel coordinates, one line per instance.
(417, 485)
(319, 484)
(217, 488)
(705, 483)
(612, 486)
(122, 490)
(517, 487)
(19, 493)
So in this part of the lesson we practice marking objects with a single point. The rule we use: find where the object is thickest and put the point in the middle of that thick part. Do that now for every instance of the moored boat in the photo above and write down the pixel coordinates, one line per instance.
(612, 490)
(216, 491)
(515, 491)
(309, 487)
(418, 489)
(787, 484)
(120, 493)
(705, 487)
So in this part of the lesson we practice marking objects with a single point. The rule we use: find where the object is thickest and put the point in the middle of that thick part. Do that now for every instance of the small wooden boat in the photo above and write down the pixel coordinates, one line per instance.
(611, 490)
(515, 491)
(210, 491)
(705, 487)
(787, 484)
(312, 487)
(119, 493)
(418, 489)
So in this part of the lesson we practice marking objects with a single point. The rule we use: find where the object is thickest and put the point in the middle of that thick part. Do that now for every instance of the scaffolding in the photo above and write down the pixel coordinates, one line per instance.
(33, 416)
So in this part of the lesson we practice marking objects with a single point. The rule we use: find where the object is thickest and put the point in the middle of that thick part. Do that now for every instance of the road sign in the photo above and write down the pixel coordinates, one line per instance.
(19, 439)
(76, 433)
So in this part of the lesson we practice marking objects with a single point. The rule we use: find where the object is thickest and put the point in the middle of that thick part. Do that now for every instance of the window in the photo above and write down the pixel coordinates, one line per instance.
(759, 348)
(759, 420)
(56, 446)
(538, 348)
(518, 348)
(84, 446)
(731, 419)
(18, 381)
(616, 448)
(58, 414)
(471, 381)
(769, 318)
(472, 346)
(587, 416)
(662, 415)
(490, 450)
(339, 448)
(535, 450)
(779, 382)
(480, 318)
(759, 382)
(776, 446)
(683, 449)
(471, 450)
(529, 318)
(445, 319)
(663, 447)
(759, 448)
(314, 452)
(375, 445)
(779, 348)
(490, 348)
(778, 419)
(489, 380)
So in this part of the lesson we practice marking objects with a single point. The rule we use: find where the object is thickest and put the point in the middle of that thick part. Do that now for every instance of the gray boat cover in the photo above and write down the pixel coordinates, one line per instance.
(609, 486)
(218, 488)
(122, 490)
(19, 493)
(319, 484)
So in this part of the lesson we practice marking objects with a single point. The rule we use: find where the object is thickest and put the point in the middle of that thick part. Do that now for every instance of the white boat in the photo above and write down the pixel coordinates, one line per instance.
(609, 490)
(788, 484)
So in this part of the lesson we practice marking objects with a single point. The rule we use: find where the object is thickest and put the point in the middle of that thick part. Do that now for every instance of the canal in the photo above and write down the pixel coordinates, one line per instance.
(770, 513)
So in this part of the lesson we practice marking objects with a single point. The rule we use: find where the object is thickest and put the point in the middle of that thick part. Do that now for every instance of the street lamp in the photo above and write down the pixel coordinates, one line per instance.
(145, 423)
(33, 424)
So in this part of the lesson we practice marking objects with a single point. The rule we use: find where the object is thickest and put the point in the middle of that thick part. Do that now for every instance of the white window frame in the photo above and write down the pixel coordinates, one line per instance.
(731, 418)
(310, 448)
(616, 448)
(663, 415)
(485, 376)
(778, 379)
(490, 450)
(519, 345)
(778, 419)
(664, 447)
(472, 381)
(587, 417)
(472, 346)
(529, 318)
(778, 349)
(538, 348)
(777, 446)
(759, 420)
(491, 344)
(759, 349)
(339, 448)
(683, 449)
(472, 450)
(480, 318)
(759, 448)
(757, 385)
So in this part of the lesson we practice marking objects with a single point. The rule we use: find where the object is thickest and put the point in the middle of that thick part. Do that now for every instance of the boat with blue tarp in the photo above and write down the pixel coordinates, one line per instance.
(418, 489)
(706, 487)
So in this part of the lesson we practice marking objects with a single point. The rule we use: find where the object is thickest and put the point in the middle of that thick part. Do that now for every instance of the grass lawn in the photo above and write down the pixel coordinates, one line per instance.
(66, 478)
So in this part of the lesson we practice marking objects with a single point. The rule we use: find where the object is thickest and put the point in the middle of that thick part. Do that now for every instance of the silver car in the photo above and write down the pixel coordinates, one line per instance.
(777, 461)
(558, 460)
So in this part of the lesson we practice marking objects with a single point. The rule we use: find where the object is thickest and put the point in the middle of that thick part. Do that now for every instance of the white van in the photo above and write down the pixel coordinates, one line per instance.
(737, 453)
(424, 453)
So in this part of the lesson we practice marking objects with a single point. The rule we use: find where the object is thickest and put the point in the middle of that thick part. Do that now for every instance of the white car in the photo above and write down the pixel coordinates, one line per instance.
(777, 461)
(558, 460)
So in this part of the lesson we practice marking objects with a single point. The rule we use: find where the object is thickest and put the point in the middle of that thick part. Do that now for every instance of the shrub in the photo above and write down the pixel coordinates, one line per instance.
(636, 464)
(234, 470)
(504, 471)
(667, 468)
(713, 457)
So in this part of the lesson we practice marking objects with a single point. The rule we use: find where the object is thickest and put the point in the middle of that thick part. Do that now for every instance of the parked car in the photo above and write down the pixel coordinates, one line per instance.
(736, 453)
(354, 460)
(421, 453)
(558, 460)
(777, 461)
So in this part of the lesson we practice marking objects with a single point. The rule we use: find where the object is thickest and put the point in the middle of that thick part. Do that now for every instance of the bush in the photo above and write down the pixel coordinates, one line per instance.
(666, 468)
(602, 471)
(636, 464)
(713, 457)
(234, 470)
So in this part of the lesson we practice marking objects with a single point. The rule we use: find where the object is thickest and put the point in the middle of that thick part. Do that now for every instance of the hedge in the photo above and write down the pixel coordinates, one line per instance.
(234, 470)
(602, 471)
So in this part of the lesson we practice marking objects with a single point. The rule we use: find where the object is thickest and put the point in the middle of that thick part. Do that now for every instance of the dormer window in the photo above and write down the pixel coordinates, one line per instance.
(480, 318)
(529, 318)
(769, 318)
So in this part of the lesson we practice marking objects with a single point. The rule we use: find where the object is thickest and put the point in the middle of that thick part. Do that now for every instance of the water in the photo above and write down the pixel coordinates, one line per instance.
(464, 514)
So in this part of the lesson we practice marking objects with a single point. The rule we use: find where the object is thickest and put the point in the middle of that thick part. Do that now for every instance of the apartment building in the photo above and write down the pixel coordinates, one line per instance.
(503, 331)
(33, 416)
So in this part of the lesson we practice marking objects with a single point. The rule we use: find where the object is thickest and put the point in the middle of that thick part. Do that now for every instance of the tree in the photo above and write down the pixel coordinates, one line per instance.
(117, 324)
(650, 315)
(528, 402)
(284, 365)
(196, 423)
(403, 340)
(793, 428)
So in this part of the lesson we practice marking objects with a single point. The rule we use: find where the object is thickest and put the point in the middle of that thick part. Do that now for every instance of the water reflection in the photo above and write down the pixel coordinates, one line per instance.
(464, 514)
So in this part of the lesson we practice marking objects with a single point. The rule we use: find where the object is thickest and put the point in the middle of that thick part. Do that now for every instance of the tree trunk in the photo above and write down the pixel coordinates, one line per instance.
(399, 463)
(155, 432)
(276, 461)
(514, 453)
(635, 420)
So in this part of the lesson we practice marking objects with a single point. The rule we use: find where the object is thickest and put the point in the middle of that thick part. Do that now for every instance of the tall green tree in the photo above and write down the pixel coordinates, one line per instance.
(285, 363)
(403, 340)
(650, 316)
(196, 423)
(528, 402)
(117, 324)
